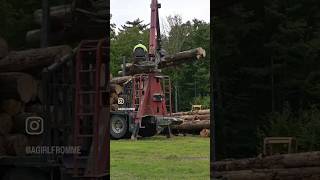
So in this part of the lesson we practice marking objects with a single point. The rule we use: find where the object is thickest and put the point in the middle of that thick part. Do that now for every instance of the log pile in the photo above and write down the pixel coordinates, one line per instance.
(193, 121)
(20, 94)
(283, 166)
(71, 22)
(116, 90)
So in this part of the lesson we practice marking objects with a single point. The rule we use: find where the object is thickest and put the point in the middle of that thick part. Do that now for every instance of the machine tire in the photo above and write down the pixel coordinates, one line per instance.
(149, 130)
(118, 127)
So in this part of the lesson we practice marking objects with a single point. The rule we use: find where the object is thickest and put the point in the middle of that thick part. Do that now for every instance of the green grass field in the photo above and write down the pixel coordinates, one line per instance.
(160, 158)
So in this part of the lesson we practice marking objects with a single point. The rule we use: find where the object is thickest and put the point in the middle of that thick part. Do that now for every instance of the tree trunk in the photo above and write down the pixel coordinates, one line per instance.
(276, 161)
(57, 14)
(199, 112)
(271, 174)
(205, 133)
(116, 88)
(18, 86)
(113, 98)
(5, 124)
(114, 107)
(169, 61)
(120, 80)
(195, 117)
(16, 144)
(33, 59)
(11, 106)
(183, 57)
(193, 125)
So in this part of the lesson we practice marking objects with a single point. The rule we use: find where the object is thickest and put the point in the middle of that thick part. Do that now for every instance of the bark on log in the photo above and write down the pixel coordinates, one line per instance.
(11, 106)
(57, 13)
(5, 124)
(56, 37)
(199, 112)
(113, 98)
(16, 144)
(205, 133)
(3, 48)
(33, 59)
(295, 160)
(183, 57)
(193, 125)
(271, 174)
(114, 107)
(120, 80)
(33, 36)
(195, 117)
(169, 61)
(116, 88)
(18, 86)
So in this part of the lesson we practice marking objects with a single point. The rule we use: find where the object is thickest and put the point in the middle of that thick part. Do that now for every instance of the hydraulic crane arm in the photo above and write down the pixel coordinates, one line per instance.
(154, 37)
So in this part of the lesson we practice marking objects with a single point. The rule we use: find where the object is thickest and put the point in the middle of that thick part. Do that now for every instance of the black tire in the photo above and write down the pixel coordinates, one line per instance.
(148, 131)
(118, 127)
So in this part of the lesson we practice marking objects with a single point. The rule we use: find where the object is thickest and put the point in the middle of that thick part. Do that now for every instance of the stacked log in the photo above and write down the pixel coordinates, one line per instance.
(205, 133)
(20, 94)
(33, 60)
(193, 121)
(284, 166)
(116, 90)
(71, 22)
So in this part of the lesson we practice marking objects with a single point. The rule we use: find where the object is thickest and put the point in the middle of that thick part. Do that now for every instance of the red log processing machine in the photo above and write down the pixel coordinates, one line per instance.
(146, 104)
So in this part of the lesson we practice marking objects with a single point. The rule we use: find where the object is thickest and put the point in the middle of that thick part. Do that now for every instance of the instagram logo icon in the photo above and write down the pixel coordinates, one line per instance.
(34, 125)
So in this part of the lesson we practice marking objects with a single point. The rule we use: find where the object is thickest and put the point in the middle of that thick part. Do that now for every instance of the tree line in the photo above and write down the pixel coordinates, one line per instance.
(266, 75)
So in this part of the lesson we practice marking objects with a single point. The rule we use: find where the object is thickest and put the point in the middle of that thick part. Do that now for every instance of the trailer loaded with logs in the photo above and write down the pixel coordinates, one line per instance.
(55, 98)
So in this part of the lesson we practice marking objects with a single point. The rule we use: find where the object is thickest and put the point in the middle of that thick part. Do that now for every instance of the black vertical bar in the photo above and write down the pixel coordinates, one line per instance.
(45, 23)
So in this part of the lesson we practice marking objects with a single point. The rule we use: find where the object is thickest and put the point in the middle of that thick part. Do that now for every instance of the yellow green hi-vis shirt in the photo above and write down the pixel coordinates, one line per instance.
(140, 46)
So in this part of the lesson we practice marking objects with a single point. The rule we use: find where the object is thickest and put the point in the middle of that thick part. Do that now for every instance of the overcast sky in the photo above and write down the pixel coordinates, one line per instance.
(128, 10)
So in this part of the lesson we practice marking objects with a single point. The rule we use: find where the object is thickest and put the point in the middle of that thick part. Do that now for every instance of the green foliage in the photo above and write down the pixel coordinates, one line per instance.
(16, 20)
(202, 100)
(265, 55)
(303, 125)
(192, 80)
(123, 42)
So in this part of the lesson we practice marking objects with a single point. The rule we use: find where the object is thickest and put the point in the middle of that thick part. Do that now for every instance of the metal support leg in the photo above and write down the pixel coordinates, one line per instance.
(135, 131)
(169, 134)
